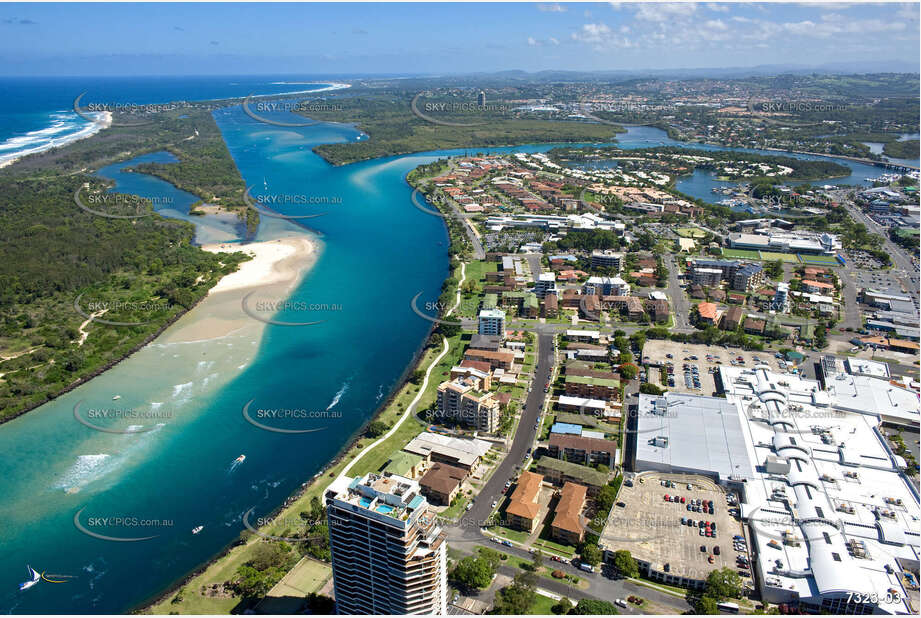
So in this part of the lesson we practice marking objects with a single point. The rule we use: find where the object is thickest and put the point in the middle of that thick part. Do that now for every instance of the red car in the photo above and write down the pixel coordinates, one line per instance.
(682, 499)
(668, 498)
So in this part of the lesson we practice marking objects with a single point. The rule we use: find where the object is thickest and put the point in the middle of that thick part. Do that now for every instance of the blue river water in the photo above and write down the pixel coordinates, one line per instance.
(378, 251)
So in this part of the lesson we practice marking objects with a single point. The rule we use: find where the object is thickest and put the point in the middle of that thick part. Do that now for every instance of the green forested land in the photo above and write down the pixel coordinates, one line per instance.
(51, 251)
(205, 167)
(902, 150)
(394, 129)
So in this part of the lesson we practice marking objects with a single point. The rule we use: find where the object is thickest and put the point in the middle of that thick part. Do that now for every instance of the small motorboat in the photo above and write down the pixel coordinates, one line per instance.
(35, 579)
(197, 529)
(240, 459)
(116, 398)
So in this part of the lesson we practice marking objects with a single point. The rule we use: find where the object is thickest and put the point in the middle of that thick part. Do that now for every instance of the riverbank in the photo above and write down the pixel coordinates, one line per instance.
(194, 590)
(276, 267)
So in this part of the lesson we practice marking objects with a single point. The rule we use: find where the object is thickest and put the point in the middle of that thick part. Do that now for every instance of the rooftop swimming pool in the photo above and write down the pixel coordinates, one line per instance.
(385, 509)
(365, 502)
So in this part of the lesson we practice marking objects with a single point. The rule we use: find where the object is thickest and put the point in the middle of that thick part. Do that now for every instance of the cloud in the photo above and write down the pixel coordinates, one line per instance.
(20, 22)
(179, 28)
(592, 33)
(718, 8)
(542, 42)
(551, 8)
(601, 37)
(215, 43)
(665, 11)
(361, 31)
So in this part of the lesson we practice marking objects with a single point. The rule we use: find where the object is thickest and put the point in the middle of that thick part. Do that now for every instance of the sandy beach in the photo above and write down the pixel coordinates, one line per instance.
(103, 121)
(276, 268)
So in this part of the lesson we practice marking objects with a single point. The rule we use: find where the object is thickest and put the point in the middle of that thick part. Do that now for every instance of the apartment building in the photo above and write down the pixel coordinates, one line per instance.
(523, 508)
(606, 286)
(545, 284)
(607, 259)
(460, 400)
(581, 450)
(389, 555)
(491, 322)
(567, 519)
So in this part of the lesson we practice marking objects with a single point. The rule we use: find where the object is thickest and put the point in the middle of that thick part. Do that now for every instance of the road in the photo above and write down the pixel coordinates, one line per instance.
(901, 261)
(468, 528)
(680, 306)
(600, 587)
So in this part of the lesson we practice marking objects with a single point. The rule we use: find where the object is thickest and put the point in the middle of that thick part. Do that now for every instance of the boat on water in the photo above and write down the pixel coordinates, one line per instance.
(240, 459)
(116, 397)
(35, 579)
(197, 529)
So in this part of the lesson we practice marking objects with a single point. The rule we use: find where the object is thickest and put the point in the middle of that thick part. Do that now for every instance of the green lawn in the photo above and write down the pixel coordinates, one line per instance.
(515, 536)
(741, 254)
(771, 256)
(564, 550)
(690, 232)
(455, 509)
(542, 606)
(823, 260)
(288, 595)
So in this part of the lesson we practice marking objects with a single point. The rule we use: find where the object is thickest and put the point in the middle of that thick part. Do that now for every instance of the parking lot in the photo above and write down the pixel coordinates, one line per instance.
(685, 357)
(651, 528)
(878, 280)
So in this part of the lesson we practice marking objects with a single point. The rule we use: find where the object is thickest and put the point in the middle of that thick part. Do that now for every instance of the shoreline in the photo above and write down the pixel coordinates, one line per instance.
(277, 268)
(103, 121)
(319, 481)
(285, 262)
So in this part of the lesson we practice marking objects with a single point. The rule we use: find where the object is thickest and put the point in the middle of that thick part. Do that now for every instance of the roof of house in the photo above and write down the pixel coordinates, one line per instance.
(569, 508)
(443, 478)
(587, 475)
(581, 443)
(818, 284)
(500, 355)
(754, 324)
(734, 315)
(523, 502)
(474, 364)
(707, 311)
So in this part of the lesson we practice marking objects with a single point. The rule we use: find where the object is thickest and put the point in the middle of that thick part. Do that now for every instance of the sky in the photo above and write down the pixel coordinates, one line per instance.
(445, 38)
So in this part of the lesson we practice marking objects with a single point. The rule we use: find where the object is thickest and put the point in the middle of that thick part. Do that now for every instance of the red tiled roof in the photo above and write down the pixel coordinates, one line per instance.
(568, 509)
(707, 311)
(523, 502)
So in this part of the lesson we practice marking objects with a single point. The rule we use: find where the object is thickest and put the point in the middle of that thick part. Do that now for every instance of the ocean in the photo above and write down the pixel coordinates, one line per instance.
(57, 475)
(37, 113)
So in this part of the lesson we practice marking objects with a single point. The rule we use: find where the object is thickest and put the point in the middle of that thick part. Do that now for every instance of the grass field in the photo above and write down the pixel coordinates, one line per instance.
(741, 254)
(770, 256)
(690, 232)
(541, 606)
(287, 596)
(821, 260)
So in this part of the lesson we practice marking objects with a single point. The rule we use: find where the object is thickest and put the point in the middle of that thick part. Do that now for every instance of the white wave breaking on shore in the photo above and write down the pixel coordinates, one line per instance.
(45, 139)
